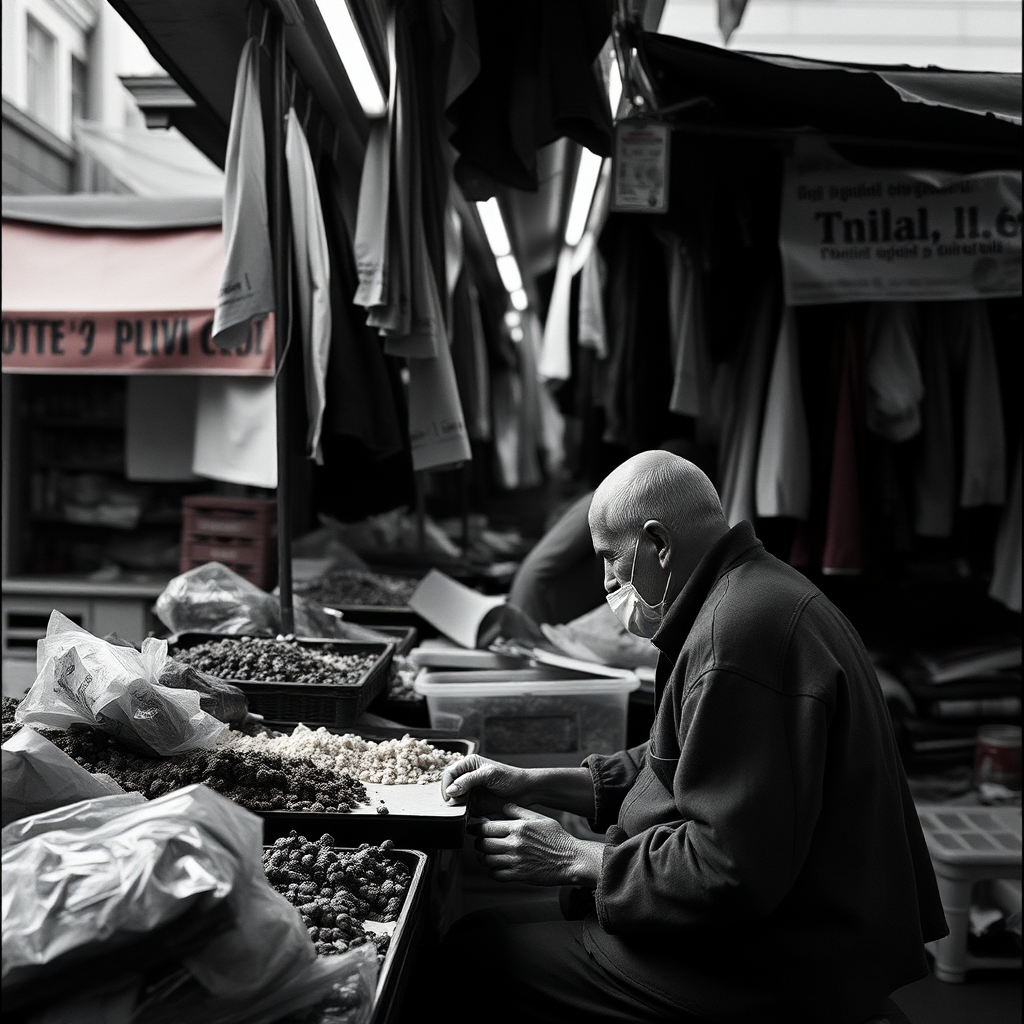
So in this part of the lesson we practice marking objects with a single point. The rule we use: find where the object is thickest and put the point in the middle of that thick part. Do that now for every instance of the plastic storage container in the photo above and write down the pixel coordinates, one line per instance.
(530, 717)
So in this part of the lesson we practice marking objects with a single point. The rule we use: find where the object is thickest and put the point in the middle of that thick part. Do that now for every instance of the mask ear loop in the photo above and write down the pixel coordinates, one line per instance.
(632, 573)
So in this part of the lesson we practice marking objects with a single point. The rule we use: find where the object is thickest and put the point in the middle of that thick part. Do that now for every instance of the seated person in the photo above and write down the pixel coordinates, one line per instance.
(764, 861)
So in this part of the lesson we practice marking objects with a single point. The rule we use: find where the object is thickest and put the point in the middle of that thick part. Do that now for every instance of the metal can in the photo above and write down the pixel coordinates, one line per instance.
(997, 756)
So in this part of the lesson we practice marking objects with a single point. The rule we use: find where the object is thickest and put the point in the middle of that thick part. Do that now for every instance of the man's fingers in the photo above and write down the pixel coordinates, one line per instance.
(460, 786)
(492, 846)
(513, 810)
(495, 829)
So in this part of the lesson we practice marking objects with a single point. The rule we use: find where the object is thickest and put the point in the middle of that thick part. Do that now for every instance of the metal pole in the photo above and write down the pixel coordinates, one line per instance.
(277, 198)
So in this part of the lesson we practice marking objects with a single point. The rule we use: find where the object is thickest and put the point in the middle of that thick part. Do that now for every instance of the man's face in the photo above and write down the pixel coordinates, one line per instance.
(617, 555)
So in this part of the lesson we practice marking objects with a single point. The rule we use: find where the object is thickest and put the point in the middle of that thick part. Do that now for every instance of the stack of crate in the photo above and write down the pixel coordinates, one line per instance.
(241, 533)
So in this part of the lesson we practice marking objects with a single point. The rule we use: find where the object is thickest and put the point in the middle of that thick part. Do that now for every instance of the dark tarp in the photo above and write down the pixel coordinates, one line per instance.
(849, 103)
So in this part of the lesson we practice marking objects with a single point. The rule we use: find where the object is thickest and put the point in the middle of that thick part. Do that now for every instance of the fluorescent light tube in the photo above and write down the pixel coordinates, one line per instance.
(349, 44)
(494, 227)
(510, 276)
(519, 299)
(582, 196)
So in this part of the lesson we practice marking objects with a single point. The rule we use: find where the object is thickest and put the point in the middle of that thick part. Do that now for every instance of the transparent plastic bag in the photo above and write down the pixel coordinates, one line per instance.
(83, 680)
(37, 776)
(74, 897)
(81, 817)
(214, 599)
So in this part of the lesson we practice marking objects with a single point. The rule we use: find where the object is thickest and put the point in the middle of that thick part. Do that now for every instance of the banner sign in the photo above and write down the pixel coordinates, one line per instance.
(857, 234)
(154, 342)
(640, 167)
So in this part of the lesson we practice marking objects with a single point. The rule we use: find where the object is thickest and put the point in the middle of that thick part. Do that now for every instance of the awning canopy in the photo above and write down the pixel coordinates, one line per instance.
(117, 284)
(890, 115)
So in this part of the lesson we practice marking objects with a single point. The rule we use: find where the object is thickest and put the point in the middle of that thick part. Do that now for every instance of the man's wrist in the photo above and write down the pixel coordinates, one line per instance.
(588, 862)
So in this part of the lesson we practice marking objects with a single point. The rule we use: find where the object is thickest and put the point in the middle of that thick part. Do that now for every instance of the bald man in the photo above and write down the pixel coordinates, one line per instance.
(764, 861)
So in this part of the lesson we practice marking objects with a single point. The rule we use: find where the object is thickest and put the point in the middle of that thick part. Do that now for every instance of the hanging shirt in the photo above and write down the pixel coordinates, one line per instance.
(984, 459)
(892, 377)
(1006, 562)
(741, 434)
(247, 283)
(935, 479)
(592, 330)
(843, 554)
(236, 431)
(691, 376)
(555, 362)
(784, 457)
(313, 277)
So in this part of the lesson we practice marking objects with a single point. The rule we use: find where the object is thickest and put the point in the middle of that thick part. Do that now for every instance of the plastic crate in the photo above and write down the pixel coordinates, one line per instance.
(530, 717)
(313, 704)
(238, 532)
(426, 821)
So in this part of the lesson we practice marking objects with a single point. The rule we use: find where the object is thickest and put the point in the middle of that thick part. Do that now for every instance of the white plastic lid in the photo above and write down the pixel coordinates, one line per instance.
(517, 683)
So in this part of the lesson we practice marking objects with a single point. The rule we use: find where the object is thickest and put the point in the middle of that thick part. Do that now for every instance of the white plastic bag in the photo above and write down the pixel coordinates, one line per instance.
(73, 894)
(37, 776)
(213, 598)
(83, 680)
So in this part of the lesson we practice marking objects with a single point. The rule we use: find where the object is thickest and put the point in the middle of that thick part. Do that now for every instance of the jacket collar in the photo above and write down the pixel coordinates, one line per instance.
(736, 546)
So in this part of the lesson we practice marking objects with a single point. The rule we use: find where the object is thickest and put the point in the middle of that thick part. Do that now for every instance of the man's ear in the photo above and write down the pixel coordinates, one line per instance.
(662, 540)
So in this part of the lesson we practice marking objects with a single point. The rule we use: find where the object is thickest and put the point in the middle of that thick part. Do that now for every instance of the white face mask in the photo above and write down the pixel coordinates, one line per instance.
(637, 615)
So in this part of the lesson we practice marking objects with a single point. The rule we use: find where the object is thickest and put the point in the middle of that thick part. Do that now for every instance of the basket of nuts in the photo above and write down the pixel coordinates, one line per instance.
(291, 680)
(350, 897)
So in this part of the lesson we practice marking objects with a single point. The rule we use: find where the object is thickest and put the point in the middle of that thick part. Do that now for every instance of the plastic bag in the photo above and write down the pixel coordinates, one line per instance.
(37, 776)
(225, 702)
(81, 816)
(346, 982)
(83, 680)
(212, 598)
(73, 896)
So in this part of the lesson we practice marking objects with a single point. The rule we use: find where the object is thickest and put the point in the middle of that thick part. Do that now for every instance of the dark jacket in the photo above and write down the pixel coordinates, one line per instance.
(765, 859)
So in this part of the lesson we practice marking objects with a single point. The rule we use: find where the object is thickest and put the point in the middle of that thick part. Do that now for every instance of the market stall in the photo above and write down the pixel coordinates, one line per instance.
(707, 297)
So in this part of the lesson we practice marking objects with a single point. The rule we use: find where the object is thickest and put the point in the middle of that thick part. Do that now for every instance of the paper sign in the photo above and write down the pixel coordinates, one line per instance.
(178, 341)
(640, 167)
(856, 234)
(453, 608)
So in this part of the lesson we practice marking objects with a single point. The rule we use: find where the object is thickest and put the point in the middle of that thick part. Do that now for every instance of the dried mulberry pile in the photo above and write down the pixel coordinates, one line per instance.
(255, 659)
(261, 781)
(387, 762)
(356, 586)
(336, 891)
(10, 727)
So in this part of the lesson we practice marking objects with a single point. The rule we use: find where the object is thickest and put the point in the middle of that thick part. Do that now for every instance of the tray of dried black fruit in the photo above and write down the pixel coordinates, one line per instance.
(412, 813)
(315, 681)
(349, 896)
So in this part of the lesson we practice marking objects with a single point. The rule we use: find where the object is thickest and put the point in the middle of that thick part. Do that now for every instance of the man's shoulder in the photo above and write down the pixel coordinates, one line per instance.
(749, 619)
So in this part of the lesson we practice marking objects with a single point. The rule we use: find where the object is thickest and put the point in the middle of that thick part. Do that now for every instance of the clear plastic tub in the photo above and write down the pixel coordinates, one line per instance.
(534, 718)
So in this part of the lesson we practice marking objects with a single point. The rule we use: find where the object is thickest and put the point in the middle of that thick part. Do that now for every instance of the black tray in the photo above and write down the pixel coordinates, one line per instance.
(392, 976)
(311, 703)
(405, 637)
(386, 615)
(422, 831)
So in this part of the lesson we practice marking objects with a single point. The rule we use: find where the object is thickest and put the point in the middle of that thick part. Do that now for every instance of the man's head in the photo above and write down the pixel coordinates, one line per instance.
(651, 520)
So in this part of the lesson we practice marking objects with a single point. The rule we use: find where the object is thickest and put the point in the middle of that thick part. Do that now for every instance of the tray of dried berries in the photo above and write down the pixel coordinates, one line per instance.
(316, 681)
(347, 896)
(403, 790)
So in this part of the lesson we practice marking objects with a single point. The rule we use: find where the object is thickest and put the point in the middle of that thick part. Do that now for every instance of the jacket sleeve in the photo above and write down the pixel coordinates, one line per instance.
(614, 775)
(747, 786)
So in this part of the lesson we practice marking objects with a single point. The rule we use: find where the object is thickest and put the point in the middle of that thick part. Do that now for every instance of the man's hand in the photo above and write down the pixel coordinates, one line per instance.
(491, 783)
(531, 847)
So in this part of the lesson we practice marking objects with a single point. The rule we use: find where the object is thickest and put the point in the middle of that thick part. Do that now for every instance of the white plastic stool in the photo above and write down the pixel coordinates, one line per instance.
(968, 845)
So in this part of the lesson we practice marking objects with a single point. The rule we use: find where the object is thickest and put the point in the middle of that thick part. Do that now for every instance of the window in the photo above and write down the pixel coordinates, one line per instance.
(79, 85)
(42, 74)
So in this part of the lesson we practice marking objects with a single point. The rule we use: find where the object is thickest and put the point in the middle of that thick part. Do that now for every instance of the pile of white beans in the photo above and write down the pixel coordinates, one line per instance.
(387, 762)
